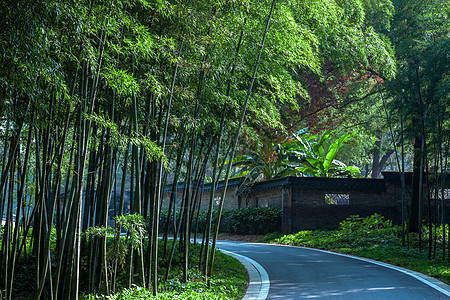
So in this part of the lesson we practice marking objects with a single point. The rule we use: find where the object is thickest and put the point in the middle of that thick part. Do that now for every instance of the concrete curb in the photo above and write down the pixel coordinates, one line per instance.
(259, 285)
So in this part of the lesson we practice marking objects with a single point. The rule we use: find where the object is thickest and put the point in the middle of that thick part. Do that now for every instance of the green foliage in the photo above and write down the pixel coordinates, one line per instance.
(117, 247)
(87, 79)
(230, 281)
(354, 232)
(152, 151)
(121, 81)
(135, 227)
(304, 155)
(270, 237)
(415, 98)
(310, 155)
(260, 166)
(355, 223)
(188, 291)
(252, 220)
(420, 37)
(97, 231)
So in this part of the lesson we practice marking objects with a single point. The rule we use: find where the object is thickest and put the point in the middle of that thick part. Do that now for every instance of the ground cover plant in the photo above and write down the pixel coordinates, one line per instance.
(375, 238)
(229, 282)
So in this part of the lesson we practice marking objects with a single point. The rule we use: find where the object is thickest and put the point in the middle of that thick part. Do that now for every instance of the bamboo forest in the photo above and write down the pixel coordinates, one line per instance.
(108, 107)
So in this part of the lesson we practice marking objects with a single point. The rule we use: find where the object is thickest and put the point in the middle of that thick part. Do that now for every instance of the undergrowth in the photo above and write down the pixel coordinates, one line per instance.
(229, 282)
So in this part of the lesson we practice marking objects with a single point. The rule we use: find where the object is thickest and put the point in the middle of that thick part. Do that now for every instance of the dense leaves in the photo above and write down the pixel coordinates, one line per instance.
(104, 103)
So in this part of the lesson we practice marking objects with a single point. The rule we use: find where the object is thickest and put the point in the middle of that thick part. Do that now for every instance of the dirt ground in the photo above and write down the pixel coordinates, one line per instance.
(240, 238)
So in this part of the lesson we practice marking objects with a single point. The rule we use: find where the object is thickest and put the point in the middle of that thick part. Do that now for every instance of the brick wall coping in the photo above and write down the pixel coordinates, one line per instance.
(319, 183)
(207, 186)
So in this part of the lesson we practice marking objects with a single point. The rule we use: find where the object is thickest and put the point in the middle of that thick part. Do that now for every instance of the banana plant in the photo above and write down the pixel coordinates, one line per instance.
(309, 156)
(261, 166)
(303, 155)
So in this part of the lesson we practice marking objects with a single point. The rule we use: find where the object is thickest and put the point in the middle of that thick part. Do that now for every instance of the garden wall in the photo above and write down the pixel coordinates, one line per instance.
(317, 203)
(313, 203)
(231, 199)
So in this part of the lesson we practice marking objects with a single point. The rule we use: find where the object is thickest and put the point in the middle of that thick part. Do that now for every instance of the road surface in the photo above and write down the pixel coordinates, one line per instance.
(303, 273)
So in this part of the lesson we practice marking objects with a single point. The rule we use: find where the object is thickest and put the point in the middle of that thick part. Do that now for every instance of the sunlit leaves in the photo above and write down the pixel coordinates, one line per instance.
(315, 156)
(295, 44)
(353, 49)
(120, 80)
(119, 139)
(135, 226)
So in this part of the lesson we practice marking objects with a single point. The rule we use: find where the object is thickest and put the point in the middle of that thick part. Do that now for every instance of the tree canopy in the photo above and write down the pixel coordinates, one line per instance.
(103, 97)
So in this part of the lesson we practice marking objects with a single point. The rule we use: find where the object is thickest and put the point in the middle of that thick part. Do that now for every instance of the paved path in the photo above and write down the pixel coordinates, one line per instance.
(303, 273)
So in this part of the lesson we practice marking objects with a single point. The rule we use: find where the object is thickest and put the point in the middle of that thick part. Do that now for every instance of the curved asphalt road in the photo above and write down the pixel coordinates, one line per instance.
(303, 273)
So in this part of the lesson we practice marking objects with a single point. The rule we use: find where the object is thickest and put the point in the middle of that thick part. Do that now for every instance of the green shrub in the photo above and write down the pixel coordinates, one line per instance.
(270, 237)
(356, 223)
(354, 232)
(253, 220)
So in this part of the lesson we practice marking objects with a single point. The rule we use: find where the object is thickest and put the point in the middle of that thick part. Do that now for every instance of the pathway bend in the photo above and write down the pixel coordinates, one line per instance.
(304, 273)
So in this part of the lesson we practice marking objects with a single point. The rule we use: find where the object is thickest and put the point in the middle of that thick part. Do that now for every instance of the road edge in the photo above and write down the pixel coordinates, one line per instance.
(258, 287)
